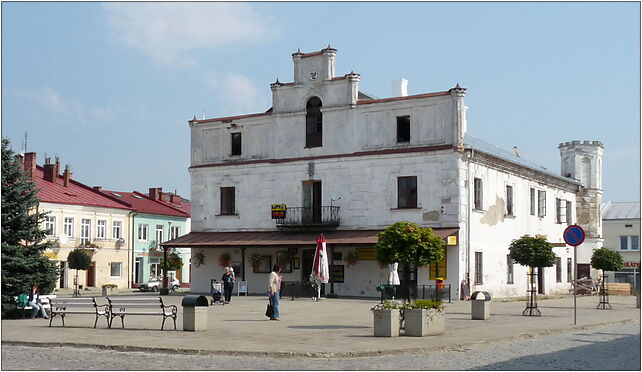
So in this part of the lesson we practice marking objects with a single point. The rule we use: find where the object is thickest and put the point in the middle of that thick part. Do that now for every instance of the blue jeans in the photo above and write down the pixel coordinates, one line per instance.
(275, 303)
(37, 308)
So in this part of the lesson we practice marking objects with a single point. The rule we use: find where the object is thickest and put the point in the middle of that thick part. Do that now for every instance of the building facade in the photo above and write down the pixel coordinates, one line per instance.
(348, 165)
(158, 217)
(80, 217)
(621, 226)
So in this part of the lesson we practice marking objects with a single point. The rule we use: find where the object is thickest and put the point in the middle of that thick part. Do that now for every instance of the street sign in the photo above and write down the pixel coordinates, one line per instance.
(574, 235)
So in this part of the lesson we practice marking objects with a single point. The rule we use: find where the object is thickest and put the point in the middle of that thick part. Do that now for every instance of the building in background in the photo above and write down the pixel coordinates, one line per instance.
(621, 228)
(347, 164)
(81, 217)
(158, 216)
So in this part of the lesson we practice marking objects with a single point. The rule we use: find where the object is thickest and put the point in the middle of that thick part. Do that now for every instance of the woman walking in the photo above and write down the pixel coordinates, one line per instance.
(228, 284)
(274, 283)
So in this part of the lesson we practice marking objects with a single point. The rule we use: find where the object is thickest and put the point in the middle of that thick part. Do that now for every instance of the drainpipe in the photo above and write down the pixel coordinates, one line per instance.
(131, 274)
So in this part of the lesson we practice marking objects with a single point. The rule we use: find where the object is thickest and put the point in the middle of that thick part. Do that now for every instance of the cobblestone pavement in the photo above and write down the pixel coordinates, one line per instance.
(606, 348)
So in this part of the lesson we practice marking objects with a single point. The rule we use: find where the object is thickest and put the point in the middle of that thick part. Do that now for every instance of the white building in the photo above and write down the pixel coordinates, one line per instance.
(348, 165)
(621, 226)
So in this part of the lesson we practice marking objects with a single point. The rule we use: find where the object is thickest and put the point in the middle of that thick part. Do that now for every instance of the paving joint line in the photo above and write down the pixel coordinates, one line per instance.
(347, 354)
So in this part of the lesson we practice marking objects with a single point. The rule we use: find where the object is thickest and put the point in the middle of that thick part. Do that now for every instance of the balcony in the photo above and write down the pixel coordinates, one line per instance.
(309, 217)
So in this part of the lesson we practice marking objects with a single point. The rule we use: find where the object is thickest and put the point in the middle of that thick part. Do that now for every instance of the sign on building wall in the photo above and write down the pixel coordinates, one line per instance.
(452, 240)
(338, 273)
(278, 211)
(631, 264)
(366, 254)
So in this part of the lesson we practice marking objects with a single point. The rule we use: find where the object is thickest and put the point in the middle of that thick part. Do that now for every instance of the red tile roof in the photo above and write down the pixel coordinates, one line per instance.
(75, 194)
(143, 204)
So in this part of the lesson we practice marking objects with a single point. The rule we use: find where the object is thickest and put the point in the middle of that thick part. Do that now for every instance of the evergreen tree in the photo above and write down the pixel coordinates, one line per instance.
(23, 262)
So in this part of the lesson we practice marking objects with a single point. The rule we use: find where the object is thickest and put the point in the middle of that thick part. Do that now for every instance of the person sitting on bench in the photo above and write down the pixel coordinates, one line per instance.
(36, 305)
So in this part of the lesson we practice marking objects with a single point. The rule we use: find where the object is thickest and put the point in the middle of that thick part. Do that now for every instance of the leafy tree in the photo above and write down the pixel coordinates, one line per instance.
(607, 260)
(79, 260)
(532, 252)
(23, 262)
(408, 243)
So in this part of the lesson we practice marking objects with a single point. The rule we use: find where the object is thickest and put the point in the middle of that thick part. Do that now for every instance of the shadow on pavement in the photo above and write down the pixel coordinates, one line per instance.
(326, 327)
(580, 358)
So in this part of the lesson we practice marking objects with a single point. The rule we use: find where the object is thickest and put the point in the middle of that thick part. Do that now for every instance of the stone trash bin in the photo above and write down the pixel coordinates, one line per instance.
(194, 313)
(480, 305)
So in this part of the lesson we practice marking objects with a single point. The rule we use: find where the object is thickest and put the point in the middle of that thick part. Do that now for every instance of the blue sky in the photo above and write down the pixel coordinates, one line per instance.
(109, 87)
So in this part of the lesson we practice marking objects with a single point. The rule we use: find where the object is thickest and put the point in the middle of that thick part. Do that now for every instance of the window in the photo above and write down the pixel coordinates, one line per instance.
(116, 229)
(630, 243)
(479, 274)
(159, 234)
(265, 266)
(479, 195)
(313, 123)
(532, 201)
(541, 203)
(85, 230)
(101, 229)
(68, 226)
(403, 129)
(228, 200)
(143, 231)
(286, 266)
(569, 213)
(569, 269)
(174, 232)
(560, 210)
(50, 225)
(115, 269)
(509, 272)
(236, 143)
(407, 192)
(558, 269)
(509, 200)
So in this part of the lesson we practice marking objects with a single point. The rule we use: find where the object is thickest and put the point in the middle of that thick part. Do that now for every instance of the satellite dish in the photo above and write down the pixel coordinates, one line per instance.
(63, 238)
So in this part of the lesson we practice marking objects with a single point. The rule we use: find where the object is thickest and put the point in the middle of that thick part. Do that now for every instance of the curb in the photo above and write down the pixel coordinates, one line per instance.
(347, 354)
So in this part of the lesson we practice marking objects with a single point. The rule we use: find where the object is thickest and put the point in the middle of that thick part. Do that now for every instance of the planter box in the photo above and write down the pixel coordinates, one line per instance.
(424, 322)
(108, 291)
(386, 323)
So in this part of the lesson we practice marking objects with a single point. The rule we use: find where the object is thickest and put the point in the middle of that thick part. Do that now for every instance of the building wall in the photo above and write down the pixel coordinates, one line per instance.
(109, 250)
(612, 230)
(146, 249)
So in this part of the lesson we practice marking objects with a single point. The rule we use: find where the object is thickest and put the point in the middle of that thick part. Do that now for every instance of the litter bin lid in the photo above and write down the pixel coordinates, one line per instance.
(475, 296)
(194, 300)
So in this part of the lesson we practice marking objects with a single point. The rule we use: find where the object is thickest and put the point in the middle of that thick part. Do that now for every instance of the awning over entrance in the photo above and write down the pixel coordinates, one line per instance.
(282, 238)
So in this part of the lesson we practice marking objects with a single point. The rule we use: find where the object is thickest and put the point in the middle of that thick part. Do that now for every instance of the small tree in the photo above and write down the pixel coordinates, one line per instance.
(78, 260)
(23, 239)
(408, 243)
(606, 260)
(532, 252)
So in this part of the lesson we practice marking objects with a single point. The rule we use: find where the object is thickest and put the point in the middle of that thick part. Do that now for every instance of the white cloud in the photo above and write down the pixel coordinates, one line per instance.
(72, 109)
(238, 95)
(168, 31)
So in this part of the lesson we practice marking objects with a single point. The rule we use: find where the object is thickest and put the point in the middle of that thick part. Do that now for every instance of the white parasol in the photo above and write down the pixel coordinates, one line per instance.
(320, 268)
(393, 276)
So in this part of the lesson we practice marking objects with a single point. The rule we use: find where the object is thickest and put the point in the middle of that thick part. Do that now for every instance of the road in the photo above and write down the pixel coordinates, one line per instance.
(607, 348)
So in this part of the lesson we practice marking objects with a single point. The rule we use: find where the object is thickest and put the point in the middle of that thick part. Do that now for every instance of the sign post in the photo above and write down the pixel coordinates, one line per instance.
(574, 235)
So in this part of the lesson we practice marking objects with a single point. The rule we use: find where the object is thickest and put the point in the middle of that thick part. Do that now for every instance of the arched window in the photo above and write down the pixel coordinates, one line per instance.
(313, 123)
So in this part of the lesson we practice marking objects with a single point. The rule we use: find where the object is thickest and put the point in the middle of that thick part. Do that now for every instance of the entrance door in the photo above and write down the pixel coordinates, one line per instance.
(407, 273)
(179, 275)
(307, 260)
(138, 270)
(540, 280)
(91, 275)
(63, 274)
(311, 202)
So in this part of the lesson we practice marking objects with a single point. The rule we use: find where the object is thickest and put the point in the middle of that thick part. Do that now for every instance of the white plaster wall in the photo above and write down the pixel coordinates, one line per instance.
(492, 231)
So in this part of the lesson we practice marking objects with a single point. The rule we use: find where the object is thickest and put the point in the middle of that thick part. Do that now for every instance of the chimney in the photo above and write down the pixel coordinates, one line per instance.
(98, 188)
(66, 175)
(175, 199)
(399, 87)
(29, 163)
(57, 167)
(154, 193)
(50, 170)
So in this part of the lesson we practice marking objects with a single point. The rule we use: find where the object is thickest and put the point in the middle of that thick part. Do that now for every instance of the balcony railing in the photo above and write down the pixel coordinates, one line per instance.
(310, 217)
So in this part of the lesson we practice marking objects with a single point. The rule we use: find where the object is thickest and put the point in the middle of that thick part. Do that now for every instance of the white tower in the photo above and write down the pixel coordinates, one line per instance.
(583, 161)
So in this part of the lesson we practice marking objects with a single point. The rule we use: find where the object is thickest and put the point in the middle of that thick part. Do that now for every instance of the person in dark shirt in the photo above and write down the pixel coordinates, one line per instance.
(34, 302)
(228, 284)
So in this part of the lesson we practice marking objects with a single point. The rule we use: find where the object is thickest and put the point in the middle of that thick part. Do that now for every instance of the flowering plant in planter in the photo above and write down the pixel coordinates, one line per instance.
(255, 260)
(386, 319)
(423, 318)
(225, 259)
(198, 259)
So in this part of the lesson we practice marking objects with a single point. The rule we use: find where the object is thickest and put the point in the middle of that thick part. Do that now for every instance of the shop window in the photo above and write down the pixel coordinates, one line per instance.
(265, 266)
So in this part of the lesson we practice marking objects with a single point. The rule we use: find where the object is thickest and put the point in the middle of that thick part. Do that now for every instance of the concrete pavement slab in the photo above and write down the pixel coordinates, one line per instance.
(331, 327)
